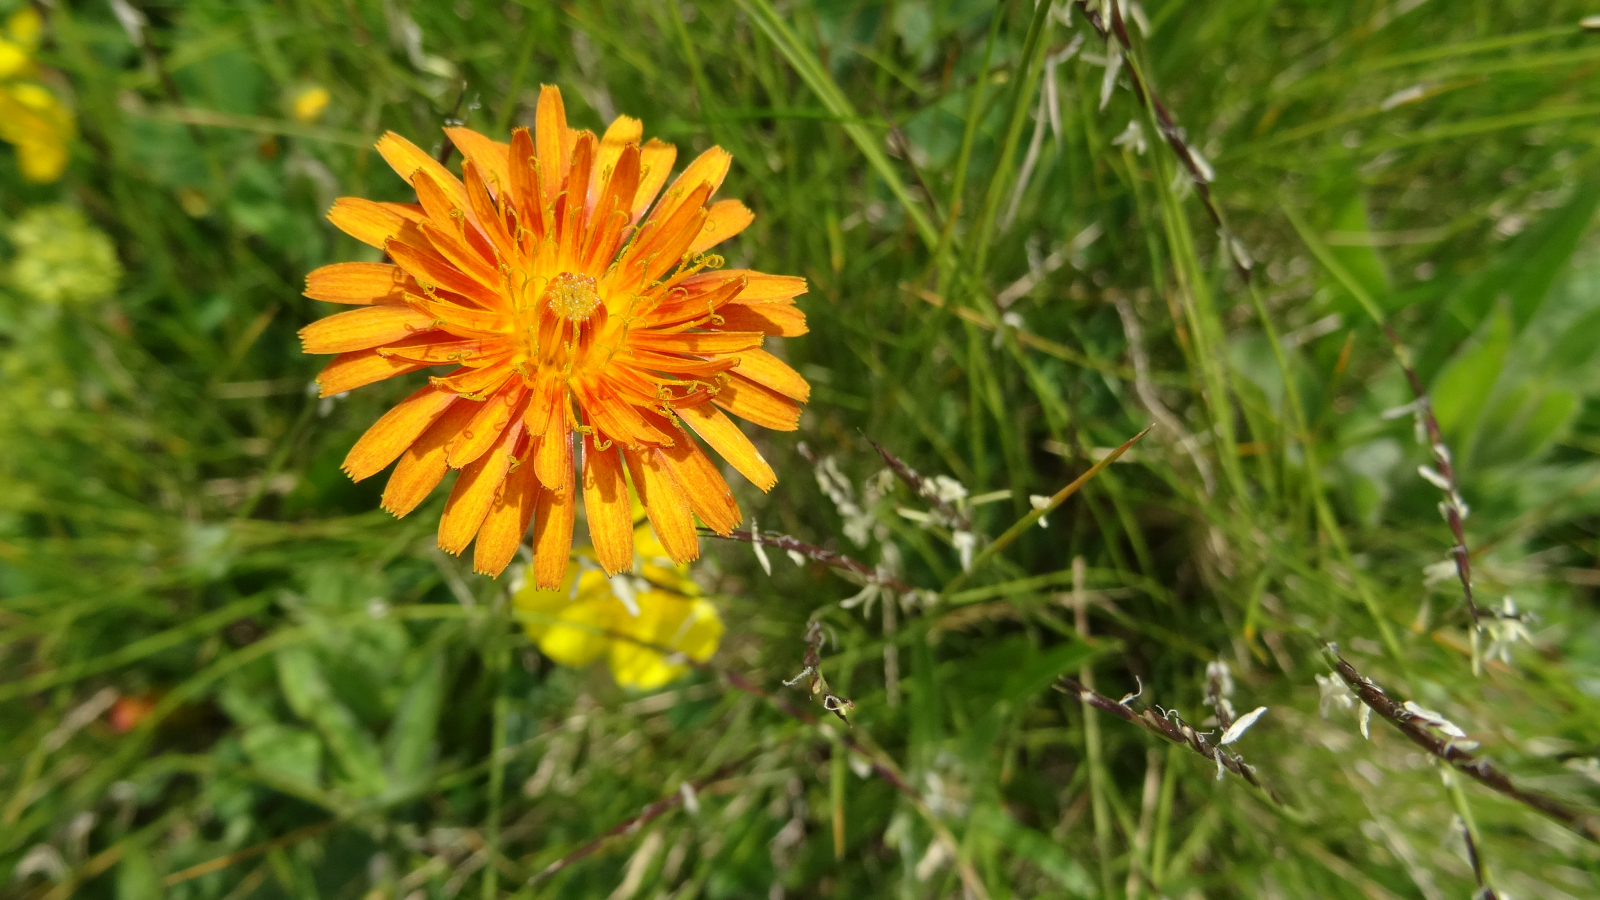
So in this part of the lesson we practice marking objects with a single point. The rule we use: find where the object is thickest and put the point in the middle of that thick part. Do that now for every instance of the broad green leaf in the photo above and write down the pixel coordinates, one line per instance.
(1523, 274)
(309, 696)
(292, 754)
(411, 737)
(1462, 389)
(1523, 422)
(1577, 344)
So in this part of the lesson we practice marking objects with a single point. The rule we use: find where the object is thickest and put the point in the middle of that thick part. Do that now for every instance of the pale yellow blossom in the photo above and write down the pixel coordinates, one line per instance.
(658, 608)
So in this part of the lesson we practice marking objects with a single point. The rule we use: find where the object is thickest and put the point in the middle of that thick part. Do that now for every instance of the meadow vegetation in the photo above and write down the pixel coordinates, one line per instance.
(226, 673)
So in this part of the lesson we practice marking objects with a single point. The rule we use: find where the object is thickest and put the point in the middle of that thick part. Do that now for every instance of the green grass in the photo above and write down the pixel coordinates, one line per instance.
(174, 525)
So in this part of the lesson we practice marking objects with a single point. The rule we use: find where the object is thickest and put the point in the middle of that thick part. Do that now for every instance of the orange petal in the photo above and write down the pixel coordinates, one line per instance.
(475, 491)
(573, 231)
(651, 361)
(655, 164)
(664, 502)
(619, 419)
(552, 462)
(548, 398)
(550, 127)
(368, 222)
(489, 156)
(360, 368)
(724, 219)
(769, 371)
(441, 350)
(668, 243)
(464, 321)
(507, 521)
(497, 416)
(681, 308)
(357, 284)
(489, 219)
(609, 215)
(395, 431)
(359, 329)
(623, 131)
(552, 533)
(407, 159)
(526, 193)
(754, 403)
(730, 443)
(708, 170)
(423, 466)
(465, 255)
(779, 319)
(759, 287)
(703, 485)
(432, 270)
(476, 384)
(703, 343)
(605, 502)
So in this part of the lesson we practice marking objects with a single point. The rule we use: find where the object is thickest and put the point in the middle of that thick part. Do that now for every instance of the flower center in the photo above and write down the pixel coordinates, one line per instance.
(572, 296)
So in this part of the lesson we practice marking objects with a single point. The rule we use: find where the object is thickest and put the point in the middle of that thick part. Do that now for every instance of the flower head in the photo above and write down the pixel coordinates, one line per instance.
(566, 305)
(30, 115)
(631, 619)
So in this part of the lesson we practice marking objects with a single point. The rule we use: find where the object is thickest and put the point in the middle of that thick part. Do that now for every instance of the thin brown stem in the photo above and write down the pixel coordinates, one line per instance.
(820, 554)
(1171, 728)
(1447, 750)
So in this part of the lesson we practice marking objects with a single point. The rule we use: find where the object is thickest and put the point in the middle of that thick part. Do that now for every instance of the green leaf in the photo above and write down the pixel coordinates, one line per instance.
(284, 752)
(1577, 344)
(1355, 251)
(1037, 848)
(1523, 274)
(1461, 391)
(411, 737)
(307, 691)
(136, 875)
(1522, 423)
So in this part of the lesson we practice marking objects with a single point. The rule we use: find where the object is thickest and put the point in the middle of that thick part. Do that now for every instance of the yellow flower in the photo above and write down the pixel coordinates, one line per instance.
(572, 304)
(590, 615)
(308, 105)
(30, 116)
(18, 41)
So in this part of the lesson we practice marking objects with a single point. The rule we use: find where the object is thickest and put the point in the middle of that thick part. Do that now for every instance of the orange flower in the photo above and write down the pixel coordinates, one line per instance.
(565, 310)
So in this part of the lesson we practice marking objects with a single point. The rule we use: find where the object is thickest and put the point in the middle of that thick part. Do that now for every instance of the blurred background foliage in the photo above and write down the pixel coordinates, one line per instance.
(226, 674)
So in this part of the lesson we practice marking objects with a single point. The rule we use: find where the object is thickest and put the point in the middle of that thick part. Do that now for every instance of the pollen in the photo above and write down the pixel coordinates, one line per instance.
(572, 296)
